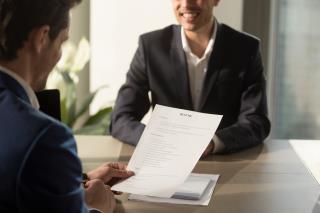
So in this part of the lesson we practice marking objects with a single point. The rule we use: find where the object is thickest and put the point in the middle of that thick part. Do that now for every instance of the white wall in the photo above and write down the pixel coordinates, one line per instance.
(80, 28)
(230, 12)
(114, 30)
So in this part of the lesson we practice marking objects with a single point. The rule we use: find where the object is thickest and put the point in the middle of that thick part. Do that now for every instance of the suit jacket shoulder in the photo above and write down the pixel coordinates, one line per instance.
(38, 160)
(239, 41)
(162, 38)
(160, 34)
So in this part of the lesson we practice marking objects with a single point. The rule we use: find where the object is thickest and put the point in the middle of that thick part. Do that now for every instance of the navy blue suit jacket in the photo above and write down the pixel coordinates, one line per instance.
(39, 167)
(234, 86)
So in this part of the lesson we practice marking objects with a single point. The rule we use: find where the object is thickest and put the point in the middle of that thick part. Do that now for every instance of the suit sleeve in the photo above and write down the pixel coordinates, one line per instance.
(132, 102)
(253, 125)
(50, 176)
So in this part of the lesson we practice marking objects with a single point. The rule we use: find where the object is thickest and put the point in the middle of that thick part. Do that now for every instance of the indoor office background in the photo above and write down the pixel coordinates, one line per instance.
(290, 49)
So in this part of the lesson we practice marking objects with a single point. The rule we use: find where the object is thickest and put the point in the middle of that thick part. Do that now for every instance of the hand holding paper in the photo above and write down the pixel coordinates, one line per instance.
(168, 150)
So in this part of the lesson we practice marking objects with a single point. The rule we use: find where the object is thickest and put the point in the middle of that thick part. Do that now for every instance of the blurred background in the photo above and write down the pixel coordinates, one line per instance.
(289, 34)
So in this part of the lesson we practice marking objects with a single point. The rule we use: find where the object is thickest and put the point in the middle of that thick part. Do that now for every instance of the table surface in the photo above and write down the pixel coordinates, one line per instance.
(266, 179)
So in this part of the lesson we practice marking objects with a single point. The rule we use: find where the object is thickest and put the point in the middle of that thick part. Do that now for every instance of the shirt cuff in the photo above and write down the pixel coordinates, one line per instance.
(218, 145)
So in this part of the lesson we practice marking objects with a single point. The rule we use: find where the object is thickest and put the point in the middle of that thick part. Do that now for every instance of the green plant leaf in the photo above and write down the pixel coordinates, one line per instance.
(71, 100)
(67, 78)
(92, 130)
(72, 113)
(101, 117)
(86, 103)
(64, 111)
(97, 124)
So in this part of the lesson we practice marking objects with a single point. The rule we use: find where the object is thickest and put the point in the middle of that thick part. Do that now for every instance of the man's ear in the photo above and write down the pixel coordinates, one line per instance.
(39, 38)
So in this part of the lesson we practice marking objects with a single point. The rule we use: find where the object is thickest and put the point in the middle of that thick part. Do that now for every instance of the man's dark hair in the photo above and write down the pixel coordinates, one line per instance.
(19, 17)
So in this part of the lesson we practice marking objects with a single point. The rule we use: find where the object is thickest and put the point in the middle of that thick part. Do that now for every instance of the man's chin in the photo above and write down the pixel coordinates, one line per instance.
(190, 27)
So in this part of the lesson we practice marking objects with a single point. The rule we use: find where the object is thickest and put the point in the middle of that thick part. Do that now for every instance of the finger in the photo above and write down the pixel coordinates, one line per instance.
(121, 173)
(86, 185)
(108, 189)
(111, 197)
(120, 166)
(93, 183)
(89, 183)
(114, 181)
(205, 153)
(113, 204)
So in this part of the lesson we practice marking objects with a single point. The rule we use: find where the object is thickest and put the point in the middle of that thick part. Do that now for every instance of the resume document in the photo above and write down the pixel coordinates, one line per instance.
(169, 148)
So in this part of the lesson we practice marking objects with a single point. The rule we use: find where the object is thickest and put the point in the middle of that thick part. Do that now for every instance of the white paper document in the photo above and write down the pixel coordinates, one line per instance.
(189, 185)
(309, 152)
(169, 148)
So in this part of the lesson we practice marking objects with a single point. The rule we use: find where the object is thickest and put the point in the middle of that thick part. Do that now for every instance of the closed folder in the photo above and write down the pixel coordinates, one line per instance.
(193, 188)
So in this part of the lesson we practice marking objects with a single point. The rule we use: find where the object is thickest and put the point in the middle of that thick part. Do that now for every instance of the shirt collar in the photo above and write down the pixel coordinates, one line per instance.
(30, 93)
(209, 48)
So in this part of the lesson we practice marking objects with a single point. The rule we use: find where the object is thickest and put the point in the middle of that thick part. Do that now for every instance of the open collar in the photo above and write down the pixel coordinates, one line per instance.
(32, 98)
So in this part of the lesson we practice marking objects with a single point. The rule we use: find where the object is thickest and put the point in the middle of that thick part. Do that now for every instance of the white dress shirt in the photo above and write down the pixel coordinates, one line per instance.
(197, 69)
(30, 93)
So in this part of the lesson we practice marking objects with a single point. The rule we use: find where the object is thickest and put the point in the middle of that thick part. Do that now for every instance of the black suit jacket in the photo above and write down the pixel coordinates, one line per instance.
(234, 86)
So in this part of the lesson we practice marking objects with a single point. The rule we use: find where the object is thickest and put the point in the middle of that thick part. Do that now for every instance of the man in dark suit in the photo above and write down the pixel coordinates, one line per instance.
(39, 167)
(199, 65)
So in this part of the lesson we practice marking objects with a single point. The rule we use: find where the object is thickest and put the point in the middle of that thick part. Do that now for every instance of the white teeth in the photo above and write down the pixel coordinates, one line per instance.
(189, 15)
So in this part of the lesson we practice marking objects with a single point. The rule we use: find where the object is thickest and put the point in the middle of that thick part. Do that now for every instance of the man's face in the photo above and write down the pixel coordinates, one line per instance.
(49, 58)
(194, 14)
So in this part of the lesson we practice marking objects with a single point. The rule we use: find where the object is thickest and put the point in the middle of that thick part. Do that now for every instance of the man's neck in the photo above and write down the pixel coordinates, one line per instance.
(199, 40)
(19, 68)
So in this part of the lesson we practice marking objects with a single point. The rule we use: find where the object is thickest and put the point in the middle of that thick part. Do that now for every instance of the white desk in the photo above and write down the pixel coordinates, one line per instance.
(95, 150)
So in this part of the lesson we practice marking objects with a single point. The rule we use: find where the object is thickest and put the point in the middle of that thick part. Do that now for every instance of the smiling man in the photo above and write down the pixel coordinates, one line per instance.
(199, 65)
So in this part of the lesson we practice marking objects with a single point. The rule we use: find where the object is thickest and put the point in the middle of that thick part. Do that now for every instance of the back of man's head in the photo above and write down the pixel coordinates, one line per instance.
(19, 17)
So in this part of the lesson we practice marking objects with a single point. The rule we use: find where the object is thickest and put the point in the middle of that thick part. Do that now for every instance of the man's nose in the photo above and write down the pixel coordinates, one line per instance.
(187, 3)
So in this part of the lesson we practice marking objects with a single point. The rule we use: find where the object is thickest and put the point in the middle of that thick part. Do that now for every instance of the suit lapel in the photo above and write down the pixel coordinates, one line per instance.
(214, 66)
(180, 70)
